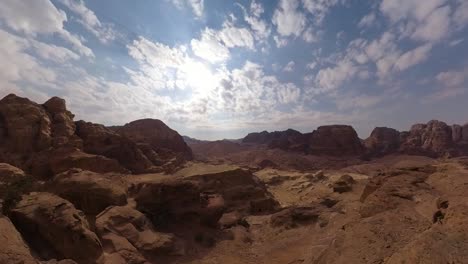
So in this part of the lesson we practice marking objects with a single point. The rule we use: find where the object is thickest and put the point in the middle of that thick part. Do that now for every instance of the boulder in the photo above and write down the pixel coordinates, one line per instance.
(159, 136)
(334, 140)
(383, 140)
(343, 184)
(241, 190)
(294, 216)
(55, 229)
(13, 249)
(89, 191)
(99, 140)
(129, 234)
(9, 173)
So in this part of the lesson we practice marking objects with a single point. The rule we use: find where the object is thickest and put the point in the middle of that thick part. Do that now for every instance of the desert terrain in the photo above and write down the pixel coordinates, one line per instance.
(77, 192)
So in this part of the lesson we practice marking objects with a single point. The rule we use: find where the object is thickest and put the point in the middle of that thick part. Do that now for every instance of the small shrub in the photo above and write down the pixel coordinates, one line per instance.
(11, 193)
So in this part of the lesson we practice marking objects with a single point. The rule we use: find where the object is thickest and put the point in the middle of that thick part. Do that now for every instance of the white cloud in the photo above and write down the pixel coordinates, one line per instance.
(426, 22)
(289, 67)
(310, 36)
(413, 57)
(233, 36)
(320, 8)
(347, 102)
(288, 19)
(435, 27)
(39, 17)
(312, 65)
(461, 14)
(455, 42)
(210, 48)
(367, 20)
(104, 32)
(197, 6)
(256, 8)
(280, 42)
(331, 78)
(452, 78)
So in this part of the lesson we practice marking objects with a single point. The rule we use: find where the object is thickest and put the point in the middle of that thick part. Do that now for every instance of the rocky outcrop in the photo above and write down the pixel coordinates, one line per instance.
(165, 141)
(90, 192)
(62, 126)
(13, 249)
(55, 229)
(128, 236)
(99, 140)
(435, 137)
(334, 140)
(64, 159)
(9, 173)
(26, 125)
(382, 141)
(295, 216)
(287, 140)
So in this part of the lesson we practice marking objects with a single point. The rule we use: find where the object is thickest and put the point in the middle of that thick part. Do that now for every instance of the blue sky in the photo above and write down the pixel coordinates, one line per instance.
(219, 69)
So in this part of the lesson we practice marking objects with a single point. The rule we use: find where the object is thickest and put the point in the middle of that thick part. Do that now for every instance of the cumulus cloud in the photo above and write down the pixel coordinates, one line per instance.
(209, 48)
(310, 36)
(259, 27)
(320, 8)
(331, 78)
(289, 67)
(280, 42)
(197, 6)
(367, 20)
(427, 22)
(413, 57)
(39, 17)
(288, 18)
(104, 32)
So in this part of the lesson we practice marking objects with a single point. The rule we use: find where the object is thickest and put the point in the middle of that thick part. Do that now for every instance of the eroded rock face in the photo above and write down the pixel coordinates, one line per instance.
(290, 140)
(129, 235)
(435, 138)
(295, 216)
(55, 229)
(9, 173)
(62, 126)
(90, 192)
(457, 133)
(63, 159)
(334, 140)
(383, 140)
(158, 135)
(100, 140)
(169, 201)
(26, 125)
(13, 249)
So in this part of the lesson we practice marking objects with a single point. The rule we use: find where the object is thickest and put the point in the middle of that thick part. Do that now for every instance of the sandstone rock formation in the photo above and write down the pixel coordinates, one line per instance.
(9, 173)
(434, 138)
(334, 140)
(43, 140)
(90, 192)
(287, 140)
(98, 139)
(128, 236)
(13, 249)
(55, 229)
(158, 136)
(383, 140)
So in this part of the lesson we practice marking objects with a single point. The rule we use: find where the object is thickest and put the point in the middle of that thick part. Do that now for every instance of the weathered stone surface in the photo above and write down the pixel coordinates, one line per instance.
(240, 189)
(129, 234)
(100, 140)
(90, 192)
(62, 125)
(383, 140)
(435, 138)
(295, 216)
(13, 249)
(26, 125)
(169, 201)
(343, 184)
(55, 229)
(290, 140)
(334, 140)
(9, 173)
(61, 160)
(457, 133)
(159, 136)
